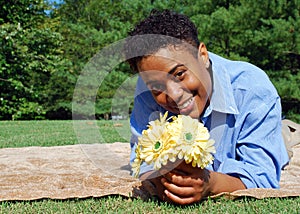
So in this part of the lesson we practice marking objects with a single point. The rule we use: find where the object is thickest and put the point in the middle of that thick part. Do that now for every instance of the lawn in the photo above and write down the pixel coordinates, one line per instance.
(53, 133)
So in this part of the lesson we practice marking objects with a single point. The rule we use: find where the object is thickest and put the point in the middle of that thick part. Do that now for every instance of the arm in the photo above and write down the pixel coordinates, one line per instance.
(260, 153)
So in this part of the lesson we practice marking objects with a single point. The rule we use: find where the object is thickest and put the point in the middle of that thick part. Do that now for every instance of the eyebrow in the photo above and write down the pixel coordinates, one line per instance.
(170, 72)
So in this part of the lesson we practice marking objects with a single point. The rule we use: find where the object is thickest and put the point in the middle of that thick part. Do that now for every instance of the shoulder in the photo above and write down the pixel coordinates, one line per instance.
(246, 79)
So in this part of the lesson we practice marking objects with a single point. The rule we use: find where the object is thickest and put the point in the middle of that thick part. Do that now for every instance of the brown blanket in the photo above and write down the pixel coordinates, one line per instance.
(94, 170)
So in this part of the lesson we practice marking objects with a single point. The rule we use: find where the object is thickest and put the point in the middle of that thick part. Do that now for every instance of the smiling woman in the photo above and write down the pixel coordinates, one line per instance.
(235, 101)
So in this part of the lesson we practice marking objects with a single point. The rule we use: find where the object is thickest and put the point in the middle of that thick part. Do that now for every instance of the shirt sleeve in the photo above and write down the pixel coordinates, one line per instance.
(260, 151)
(144, 110)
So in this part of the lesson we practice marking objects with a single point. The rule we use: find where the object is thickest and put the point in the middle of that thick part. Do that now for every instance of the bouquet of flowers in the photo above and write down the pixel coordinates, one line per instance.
(182, 138)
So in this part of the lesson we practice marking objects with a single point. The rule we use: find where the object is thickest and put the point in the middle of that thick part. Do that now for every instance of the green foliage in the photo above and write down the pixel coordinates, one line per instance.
(108, 90)
(30, 53)
(287, 85)
(42, 56)
(264, 33)
(28, 59)
(29, 13)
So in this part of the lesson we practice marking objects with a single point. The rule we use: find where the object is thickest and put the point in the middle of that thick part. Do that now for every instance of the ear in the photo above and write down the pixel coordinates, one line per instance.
(203, 54)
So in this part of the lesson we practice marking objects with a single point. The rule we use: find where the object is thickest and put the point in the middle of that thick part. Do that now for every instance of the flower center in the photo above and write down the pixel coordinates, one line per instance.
(188, 136)
(157, 145)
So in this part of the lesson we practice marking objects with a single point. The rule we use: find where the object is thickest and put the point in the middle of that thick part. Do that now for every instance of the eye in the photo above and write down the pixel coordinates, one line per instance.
(179, 75)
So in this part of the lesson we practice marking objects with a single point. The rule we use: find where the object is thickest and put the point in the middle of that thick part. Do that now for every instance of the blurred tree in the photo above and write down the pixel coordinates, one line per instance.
(42, 55)
(265, 33)
(30, 52)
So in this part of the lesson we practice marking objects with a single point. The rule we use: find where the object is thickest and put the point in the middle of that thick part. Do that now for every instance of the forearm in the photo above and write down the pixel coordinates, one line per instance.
(219, 182)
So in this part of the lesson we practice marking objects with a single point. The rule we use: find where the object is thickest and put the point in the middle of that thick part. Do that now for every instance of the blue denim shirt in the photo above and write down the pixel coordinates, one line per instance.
(244, 119)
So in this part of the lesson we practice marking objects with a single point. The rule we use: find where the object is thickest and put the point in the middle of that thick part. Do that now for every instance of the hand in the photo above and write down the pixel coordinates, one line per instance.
(151, 181)
(185, 184)
(181, 183)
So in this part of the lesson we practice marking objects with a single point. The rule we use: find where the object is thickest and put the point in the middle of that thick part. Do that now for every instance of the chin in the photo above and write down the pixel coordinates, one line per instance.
(194, 114)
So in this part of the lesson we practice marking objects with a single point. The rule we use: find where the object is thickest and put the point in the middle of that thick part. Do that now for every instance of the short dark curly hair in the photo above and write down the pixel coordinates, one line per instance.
(159, 30)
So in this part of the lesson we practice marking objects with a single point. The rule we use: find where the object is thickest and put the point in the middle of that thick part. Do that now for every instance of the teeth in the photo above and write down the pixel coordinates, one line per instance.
(185, 104)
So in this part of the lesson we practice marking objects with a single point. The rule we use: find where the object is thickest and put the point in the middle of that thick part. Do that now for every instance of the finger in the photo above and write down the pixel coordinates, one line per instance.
(166, 198)
(178, 190)
(180, 180)
(194, 172)
(178, 200)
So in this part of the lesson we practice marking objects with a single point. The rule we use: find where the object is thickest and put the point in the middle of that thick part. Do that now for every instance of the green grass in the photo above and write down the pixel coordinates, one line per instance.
(57, 133)
(53, 133)
(117, 204)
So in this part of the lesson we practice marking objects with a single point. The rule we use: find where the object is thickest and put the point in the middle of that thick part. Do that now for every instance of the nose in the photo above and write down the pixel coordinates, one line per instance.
(174, 92)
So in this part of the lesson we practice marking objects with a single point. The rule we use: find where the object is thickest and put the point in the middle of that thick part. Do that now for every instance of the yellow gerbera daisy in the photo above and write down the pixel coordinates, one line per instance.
(194, 145)
(135, 166)
(156, 142)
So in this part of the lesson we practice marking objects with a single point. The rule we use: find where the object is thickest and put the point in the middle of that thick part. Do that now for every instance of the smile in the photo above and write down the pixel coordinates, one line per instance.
(186, 104)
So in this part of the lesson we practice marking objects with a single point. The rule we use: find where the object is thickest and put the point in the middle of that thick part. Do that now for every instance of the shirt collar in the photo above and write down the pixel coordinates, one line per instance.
(222, 99)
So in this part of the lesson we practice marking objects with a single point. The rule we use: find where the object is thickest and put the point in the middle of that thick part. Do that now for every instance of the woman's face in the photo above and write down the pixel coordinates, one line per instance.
(179, 82)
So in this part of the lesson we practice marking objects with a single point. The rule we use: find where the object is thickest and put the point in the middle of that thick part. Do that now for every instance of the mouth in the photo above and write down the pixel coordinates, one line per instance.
(186, 106)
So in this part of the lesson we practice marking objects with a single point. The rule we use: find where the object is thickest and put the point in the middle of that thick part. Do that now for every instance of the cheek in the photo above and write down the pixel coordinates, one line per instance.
(202, 86)
(193, 84)
(165, 101)
(160, 99)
